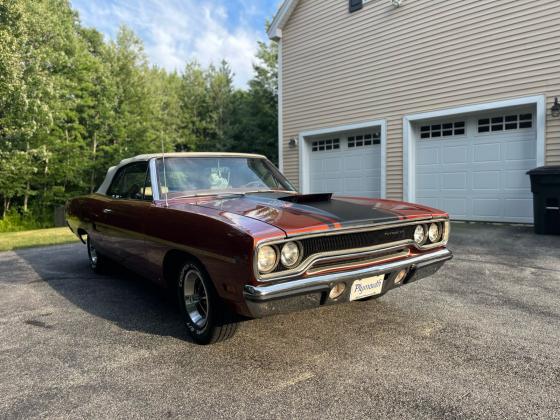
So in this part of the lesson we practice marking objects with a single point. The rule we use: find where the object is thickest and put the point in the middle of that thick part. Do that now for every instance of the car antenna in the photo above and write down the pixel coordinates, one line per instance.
(166, 192)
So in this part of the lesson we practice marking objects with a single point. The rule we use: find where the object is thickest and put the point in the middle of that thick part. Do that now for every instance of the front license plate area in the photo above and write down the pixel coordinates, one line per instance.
(369, 286)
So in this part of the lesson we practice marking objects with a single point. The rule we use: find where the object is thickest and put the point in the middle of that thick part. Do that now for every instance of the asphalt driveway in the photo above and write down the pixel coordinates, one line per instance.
(479, 339)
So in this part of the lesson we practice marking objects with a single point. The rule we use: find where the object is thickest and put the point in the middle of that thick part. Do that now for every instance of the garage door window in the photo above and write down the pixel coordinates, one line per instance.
(505, 123)
(323, 145)
(448, 129)
(364, 140)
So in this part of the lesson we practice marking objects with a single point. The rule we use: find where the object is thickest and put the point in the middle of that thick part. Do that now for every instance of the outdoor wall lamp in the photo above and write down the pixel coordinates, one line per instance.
(292, 143)
(555, 110)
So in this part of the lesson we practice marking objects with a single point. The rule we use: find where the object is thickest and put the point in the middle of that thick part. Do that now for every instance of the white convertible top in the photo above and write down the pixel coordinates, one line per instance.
(144, 158)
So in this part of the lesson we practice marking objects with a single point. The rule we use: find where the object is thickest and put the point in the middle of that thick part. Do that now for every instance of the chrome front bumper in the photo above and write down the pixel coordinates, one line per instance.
(309, 292)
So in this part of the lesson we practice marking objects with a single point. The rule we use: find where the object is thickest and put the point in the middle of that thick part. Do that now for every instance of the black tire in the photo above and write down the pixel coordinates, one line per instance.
(97, 261)
(207, 317)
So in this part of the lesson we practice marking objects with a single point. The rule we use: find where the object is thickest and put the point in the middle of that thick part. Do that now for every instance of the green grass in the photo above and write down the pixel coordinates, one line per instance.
(31, 238)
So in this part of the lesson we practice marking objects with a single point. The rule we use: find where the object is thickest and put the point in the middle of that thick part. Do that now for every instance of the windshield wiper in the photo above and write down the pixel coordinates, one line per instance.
(232, 194)
(229, 194)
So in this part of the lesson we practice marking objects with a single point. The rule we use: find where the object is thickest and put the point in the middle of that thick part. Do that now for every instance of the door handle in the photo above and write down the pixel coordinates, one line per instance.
(107, 211)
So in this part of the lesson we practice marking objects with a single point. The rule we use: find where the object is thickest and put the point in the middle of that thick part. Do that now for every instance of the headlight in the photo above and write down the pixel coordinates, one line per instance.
(419, 235)
(434, 233)
(266, 259)
(290, 254)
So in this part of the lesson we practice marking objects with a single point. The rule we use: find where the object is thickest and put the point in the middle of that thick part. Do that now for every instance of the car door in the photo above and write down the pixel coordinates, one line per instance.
(125, 213)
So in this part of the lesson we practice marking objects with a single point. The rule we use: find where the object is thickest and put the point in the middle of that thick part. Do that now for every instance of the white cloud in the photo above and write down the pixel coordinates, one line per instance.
(177, 31)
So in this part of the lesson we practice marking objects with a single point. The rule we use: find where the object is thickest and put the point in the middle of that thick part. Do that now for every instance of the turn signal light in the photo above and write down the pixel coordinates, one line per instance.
(400, 276)
(337, 290)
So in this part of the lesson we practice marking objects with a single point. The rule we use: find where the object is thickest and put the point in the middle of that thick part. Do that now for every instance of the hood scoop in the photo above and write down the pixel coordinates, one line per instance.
(307, 198)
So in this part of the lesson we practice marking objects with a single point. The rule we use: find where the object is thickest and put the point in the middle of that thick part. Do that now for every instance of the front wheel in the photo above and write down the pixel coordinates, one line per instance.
(208, 318)
(97, 262)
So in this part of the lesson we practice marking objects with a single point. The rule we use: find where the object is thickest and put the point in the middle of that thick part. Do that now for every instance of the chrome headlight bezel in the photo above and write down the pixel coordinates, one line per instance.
(294, 246)
(273, 262)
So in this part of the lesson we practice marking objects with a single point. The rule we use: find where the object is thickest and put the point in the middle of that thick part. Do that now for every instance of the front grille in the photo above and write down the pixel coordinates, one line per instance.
(343, 241)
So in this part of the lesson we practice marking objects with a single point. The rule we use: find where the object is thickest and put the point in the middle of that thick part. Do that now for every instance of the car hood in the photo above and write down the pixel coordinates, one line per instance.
(295, 214)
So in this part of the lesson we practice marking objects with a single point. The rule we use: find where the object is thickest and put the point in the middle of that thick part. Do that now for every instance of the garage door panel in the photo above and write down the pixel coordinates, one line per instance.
(371, 162)
(353, 163)
(347, 171)
(477, 176)
(486, 181)
(520, 150)
(517, 207)
(486, 153)
(434, 202)
(327, 185)
(454, 154)
(454, 180)
(427, 156)
(456, 206)
(428, 182)
(517, 180)
(331, 165)
(487, 207)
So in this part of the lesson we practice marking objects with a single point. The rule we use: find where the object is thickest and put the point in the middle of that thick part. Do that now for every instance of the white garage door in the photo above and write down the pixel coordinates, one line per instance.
(475, 168)
(346, 165)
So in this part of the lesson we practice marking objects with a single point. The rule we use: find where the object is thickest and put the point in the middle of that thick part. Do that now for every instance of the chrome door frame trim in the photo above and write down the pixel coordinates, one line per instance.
(154, 179)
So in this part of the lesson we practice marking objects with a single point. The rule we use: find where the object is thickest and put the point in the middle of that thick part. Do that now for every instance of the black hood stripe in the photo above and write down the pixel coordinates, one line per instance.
(334, 211)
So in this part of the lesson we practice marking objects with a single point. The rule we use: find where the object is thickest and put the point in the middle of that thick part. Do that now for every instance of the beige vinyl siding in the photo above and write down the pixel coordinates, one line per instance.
(384, 63)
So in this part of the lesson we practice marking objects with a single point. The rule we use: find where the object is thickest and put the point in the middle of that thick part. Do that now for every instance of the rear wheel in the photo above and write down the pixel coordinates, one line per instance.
(208, 318)
(97, 262)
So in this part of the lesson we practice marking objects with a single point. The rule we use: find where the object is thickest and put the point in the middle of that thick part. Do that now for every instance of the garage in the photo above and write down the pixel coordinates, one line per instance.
(474, 165)
(346, 164)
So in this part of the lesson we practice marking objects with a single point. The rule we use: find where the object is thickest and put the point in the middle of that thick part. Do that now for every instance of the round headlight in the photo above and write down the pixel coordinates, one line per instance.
(290, 254)
(433, 233)
(266, 259)
(419, 235)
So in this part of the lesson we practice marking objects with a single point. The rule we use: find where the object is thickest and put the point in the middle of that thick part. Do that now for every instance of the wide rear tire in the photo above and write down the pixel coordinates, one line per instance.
(207, 317)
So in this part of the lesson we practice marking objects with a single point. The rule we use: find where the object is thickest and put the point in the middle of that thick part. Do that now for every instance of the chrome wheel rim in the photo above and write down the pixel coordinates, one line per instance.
(92, 253)
(196, 298)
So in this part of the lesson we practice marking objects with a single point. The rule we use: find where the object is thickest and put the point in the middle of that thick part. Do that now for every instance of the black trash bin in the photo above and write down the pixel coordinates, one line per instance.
(545, 185)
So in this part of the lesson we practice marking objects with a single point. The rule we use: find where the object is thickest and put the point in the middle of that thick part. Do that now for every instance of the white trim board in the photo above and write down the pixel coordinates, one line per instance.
(305, 150)
(281, 18)
(409, 181)
(280, 109)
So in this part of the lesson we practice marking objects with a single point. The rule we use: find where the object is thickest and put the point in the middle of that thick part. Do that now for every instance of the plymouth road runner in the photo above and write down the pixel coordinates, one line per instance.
(230, 236)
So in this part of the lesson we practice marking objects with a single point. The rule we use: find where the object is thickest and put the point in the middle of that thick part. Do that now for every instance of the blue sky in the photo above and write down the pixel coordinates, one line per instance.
(177, 31)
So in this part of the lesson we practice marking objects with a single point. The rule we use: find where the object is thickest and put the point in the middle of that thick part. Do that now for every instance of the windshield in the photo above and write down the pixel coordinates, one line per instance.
(185, 176)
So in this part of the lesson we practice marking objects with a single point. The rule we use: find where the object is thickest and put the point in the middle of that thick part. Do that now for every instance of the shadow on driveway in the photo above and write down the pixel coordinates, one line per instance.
(120, 296)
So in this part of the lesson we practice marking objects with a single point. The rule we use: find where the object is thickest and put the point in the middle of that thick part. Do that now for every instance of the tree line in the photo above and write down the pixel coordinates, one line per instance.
(72, 104)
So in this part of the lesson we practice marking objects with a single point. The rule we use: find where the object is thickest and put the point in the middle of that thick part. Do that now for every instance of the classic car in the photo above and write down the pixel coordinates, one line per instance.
(231, 238)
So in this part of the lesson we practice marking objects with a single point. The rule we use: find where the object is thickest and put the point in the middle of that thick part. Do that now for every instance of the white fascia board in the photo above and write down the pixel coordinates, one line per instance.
(282, 16)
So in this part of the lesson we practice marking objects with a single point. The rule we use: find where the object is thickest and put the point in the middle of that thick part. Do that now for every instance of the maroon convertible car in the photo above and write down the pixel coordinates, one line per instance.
(232, 238)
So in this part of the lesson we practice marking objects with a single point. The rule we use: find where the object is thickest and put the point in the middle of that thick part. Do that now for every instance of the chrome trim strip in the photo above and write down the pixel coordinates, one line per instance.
(153, 179)
(325, 282)
(309, 261)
